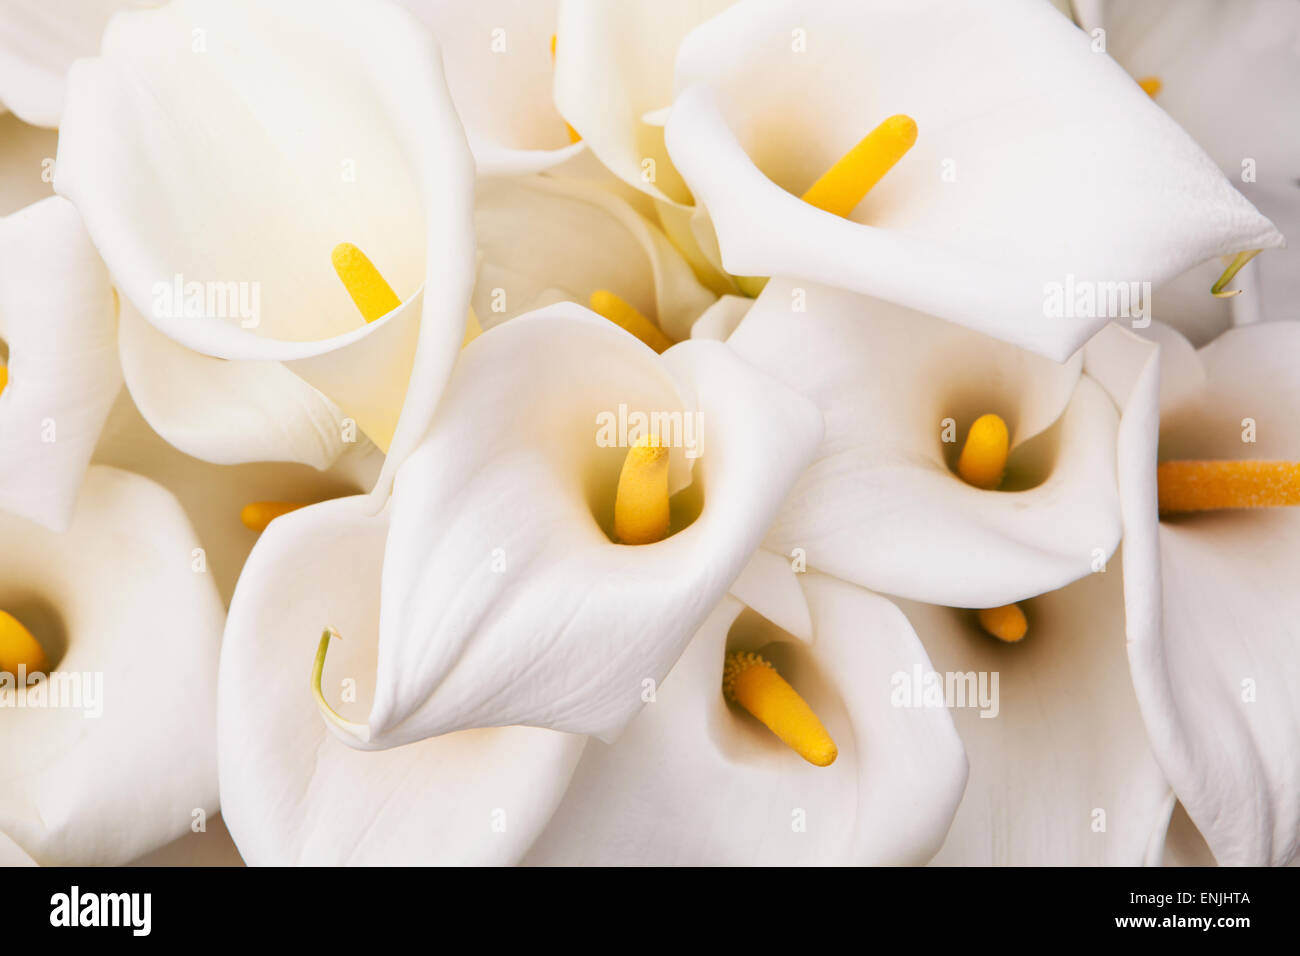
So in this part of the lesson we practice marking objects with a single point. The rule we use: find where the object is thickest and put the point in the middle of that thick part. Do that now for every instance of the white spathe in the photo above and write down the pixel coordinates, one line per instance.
(1037, 159)
(58, 318)
(542, 240)
(696, 782)
(117, 599)
(499, 68)
(321, 123)
(882, 505)
(505, 600)
(1211, 599)
(291, 793)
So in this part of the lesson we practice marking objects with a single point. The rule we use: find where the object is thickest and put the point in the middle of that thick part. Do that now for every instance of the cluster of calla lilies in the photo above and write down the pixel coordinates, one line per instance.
(313, 315)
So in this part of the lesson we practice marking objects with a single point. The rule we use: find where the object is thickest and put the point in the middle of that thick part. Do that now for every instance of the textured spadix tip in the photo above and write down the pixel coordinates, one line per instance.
(1007, 623)
(750, 681)
(641, 508)
(370, 292)
(19, 649)
(1188, 486)
(984, 456)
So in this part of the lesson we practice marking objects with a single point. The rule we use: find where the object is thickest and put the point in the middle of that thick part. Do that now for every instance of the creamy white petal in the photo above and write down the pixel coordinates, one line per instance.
(1012, 106)
(540, 239)
(1212, 602)
(226, 412)
(1064, 741)
(505, 600)
(39, 39)
(213, 495)
(293, 794)
(881, 505)
(343, 131)
(613, 66)
(26, 163)
(695, 782)
(1230, 74)
(119, 592)
(721, 318)
(59, 320)
(499, 67)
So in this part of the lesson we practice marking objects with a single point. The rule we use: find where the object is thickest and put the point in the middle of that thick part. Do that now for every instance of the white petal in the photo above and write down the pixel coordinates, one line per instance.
(58, 317)
(505, 601)
(721, 318)
(341, 132)
(614, 65)
(1212, 602)
(39, 39)
(293, 794)
(695, 782)
(1066, 739)
(119, 591)
(1228, 72)
(213, 495)
(498, 59)
(541, 238)
(881, 505)
(1011, 104)
(226, 412)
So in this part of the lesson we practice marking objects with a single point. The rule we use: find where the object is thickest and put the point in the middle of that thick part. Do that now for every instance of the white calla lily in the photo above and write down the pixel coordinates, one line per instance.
(1226, 71)
(58, 319)
(506, 600)
(366, 149)
(1061, 771)
(215, 495)
(499, 68)
(882, 505)
(39, 39)
(132, 631)
(695, 782)
(293, 794)
(1211, 598)
(543, 240)
(1012, 106)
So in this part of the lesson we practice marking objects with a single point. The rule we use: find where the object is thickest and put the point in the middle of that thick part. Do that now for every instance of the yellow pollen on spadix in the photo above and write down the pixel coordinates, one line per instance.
(1006, 623)
(258, 514)
(1219, 290)
(983, 458)
(1151, 85)
(374, 297)
(627, 317)
(1185, 486)
(752, 682)
(641, 509)
(19, 649)
(4, 377)
(845, 184)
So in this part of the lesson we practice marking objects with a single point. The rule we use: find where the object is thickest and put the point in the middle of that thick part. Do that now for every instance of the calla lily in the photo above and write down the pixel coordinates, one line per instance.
(214, 496)
(499, 60)
(293, 794)
(58, 319)
(960, 228)
(883, 505)
(693, 781)
(93, 776)
(543, 240)
(39, 39)
(501, 571)
(1223, 71)
(1061, 772)
(1211, 599)
(367, 150)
